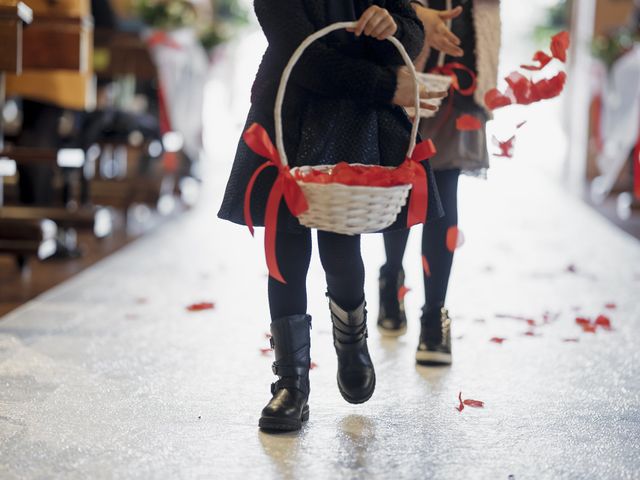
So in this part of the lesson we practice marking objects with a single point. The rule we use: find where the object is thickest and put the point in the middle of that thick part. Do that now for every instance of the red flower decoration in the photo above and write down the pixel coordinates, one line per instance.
(198, 307)
(468, 122)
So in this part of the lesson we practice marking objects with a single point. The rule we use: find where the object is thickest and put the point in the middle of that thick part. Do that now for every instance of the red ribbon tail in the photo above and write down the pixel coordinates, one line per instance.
(271, 223)
(419, 199)
(247, 195)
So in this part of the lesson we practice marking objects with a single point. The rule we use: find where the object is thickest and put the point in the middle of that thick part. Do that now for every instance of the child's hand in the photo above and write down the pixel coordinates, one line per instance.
(405, 93)
(375, 22)
(437, 34)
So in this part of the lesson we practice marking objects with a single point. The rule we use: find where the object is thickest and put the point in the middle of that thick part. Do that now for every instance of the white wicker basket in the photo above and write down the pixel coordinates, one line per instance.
(336, 207)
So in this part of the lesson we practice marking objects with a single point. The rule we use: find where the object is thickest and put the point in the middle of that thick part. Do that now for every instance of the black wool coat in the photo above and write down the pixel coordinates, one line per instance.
(337, 105)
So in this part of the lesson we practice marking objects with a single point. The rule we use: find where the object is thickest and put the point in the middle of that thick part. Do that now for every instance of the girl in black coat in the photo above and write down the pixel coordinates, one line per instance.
(343, 99)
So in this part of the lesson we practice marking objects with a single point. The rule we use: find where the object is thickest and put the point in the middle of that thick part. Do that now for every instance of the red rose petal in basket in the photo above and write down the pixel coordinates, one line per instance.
(560, 45)
(603, 321)
(468, 122)
(425, 266)
(354, 175)
(402, 292)
(455, 238)
(497, 340)
(198, 307)
(542, 58)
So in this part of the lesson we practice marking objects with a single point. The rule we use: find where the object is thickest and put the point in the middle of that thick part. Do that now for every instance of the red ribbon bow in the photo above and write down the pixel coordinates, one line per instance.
(453, 70)
(257, 138)
(419, 199)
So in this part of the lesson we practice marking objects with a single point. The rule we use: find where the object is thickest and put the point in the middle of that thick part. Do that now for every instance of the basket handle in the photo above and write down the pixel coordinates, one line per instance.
(296, 56)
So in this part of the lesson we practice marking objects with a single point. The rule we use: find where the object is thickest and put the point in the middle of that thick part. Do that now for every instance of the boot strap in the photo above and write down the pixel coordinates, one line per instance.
(284, 370)
(290, 383)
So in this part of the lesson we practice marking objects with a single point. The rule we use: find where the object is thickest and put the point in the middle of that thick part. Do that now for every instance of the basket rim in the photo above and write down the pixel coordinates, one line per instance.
(363, 188)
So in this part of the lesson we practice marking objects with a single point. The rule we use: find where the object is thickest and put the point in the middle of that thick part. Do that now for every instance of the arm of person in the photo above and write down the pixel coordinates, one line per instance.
(436, 33)
(409, 32)
(321, 69)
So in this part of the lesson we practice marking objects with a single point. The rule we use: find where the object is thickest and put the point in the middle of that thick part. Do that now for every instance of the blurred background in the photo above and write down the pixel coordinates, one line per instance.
(118, 114)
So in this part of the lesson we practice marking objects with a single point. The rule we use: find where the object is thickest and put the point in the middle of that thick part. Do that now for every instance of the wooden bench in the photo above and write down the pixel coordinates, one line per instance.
(24, 239)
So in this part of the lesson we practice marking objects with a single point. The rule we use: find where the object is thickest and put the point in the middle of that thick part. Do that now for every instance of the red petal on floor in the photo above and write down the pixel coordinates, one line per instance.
(589, 328)
(497, 340)
(198, 307)
(604, 322)
(531, 322)
(455, 238)
(514, 317)
(461, 406)
(568, 340)
(312, 365)
(402, 292)
(610, 306)
(468, 122)
(425, 266)
(265, 351)
(531, 333)
(521, 124)
(142, 300)
(583, 321)
(474, 403)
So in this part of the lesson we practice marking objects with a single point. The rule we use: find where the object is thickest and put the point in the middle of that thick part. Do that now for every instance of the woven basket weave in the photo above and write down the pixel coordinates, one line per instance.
(335, 207)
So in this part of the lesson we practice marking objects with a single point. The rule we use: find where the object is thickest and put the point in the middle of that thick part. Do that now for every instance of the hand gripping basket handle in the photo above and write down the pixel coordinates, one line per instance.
(296, 56)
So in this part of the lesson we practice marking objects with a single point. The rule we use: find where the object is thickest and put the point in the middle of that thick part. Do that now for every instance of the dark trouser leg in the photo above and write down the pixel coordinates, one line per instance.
(290, 337)
(343, 267)
(342, 262)
(293, 251)
(434, 242)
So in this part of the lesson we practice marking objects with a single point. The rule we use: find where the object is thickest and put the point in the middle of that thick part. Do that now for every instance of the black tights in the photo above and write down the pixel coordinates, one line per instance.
(342, 263)
(434, 246)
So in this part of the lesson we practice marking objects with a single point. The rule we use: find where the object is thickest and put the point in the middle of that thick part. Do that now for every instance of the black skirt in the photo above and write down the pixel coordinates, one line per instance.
(352, 133)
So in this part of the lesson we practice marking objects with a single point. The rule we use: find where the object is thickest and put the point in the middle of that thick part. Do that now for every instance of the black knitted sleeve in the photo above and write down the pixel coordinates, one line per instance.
(410, 33)
(321, 69)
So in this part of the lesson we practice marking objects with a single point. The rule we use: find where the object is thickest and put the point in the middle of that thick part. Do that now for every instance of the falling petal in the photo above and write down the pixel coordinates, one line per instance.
(402, 292)
(583, 321)
(313, 365)
(455, 238)
(425, 266)
(589, 328)
(610, 306)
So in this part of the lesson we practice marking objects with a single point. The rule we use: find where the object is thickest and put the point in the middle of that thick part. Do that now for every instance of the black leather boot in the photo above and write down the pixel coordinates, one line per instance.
(434, 348)
(356, 376)
(290, 341)
(392, 320)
